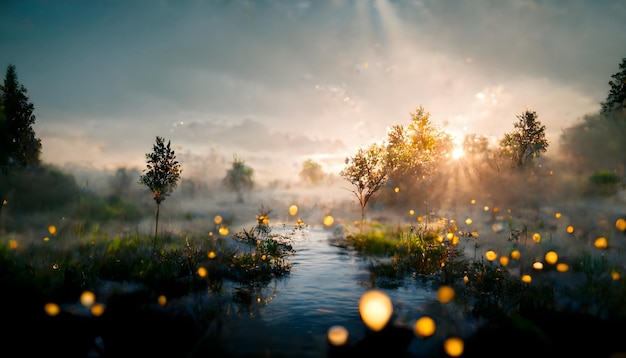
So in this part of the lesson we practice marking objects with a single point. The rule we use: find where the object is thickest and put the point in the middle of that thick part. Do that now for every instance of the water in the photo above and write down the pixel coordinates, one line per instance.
(322, 290)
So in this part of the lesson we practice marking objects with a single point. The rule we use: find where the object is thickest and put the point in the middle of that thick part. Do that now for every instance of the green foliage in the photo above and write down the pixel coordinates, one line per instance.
(312, 172)
(239, 178)
(616, 98)
(18, 143)
(604, 177)
(527, 142)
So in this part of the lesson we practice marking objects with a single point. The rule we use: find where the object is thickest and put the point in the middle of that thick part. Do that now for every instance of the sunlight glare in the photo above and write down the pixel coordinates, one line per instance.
(375, 308)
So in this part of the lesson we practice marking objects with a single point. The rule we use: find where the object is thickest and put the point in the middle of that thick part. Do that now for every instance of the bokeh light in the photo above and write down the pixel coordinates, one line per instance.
(338, 335)
(538, 265)
(504, 261)
(570, 229)
(562, 267)
(468, 221)
(223, 231)
(211, 255)
(375, 308)
(425, 327)
(202, 272)
(162, 300)
(97, 309)
(601, 243)
(551, 257)
(52, 309)
(52, 229)
(527, 278)
(620, 224)
(454, 346)
(217, 219)
(87, 298)
(293, 210)
(328, 220)
(491, 255)
(557, 215)
(515, 254)
(536, 237)
(445, 294)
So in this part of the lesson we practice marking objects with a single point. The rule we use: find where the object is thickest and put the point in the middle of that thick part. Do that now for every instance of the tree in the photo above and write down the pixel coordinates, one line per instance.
(312, 172)
(161, 175)
(527, 142)
(18, 143)
(239, 178)
(368, 171)
(616, 99)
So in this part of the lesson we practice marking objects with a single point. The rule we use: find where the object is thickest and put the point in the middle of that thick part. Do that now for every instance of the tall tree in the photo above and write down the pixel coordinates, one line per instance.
(161, 175)
(18, 143)
(239, 178)
(616, 99)
(526, 142)
(368, 171)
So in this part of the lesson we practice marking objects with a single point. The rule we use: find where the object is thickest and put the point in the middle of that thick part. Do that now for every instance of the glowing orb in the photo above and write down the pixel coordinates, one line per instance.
(570, 229)
(551, 257)
(328, 220)
(411, 212)
(293, 210)
(620, 224)
(453, 346)
(615, 276)
(491, 255)
(465, 279)
(601, 243)
(425, 327)
(468, 221)
(87, 298)
(420, 219)
(52, 309)
(396, 189)
(486, 208)
(526, 279)
(12, 244)
(562, 267)
(52, 229)
(537, 265)
(338, 335)
(473, 201)
(202, 272)
(217, 219)
(46, 239)
(97, 309)
(536, 237)
(162, 300)
(504, 261)
(445, 294)
(223, 231)
(211, 255)
(515, 254)
(375, 308)
(557, 215)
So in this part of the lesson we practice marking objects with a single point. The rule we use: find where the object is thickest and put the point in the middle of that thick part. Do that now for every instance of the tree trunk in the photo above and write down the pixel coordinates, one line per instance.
(156, 227)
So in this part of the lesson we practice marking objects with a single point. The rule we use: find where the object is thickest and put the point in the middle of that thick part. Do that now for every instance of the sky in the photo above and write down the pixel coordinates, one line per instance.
(276, 82)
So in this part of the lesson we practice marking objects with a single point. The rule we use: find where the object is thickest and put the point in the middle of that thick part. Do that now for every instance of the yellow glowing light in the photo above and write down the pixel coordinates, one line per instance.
(515, 254)
(299, 222)
(491, 255)
(562, 267)
(425, 327)
(486, 208)
(211, 255)
(551, 257)
(293, 210)
(601, 243)
(570, 229)
(468, 221)
(87, 298)
(439, 238)
(557, 215)
(162, 300)
(465, 279)
(97, 310)
(615, 276)
(504, 261)
(46, 239)
(495, 209)
(620, 224)
(455, 240)
(538, 265)
(411, 212)
(210, 233)
(526, 279)
(5, 202)
(258, 299)
(453, 346)
(338, 335)
(52, 229)
(375, 308)
(420, 219)
(328, 220)
(217, 219)
(223, 231)
(445, 294)
(449, 236)
(396, 189)
(473, 201)
(457, 153)
(536, 237)
(52, 309)
(202, 272)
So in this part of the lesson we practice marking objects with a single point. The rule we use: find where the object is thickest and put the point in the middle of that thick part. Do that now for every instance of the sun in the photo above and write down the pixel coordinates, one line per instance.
(457, 153)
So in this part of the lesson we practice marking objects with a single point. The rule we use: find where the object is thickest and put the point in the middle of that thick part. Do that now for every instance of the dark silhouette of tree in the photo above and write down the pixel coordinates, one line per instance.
(312, 172)
(18, 143)
(239, 178)
(616, 99)
(368, 171)
(527, 142)
(161, 175)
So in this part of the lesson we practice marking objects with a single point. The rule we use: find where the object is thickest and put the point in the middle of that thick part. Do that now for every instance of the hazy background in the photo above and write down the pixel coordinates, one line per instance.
(277, 82)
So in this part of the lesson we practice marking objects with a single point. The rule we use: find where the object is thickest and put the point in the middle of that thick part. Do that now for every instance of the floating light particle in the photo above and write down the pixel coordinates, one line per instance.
(468, 221)
(536, 237)
(455, 240)
(504, 261)
(601, 243)
(337, 335)
(52, 229)
(97, 309)
(620, 224)
(538, 265)
(486, 208)
(396, 189)
(5, 202)
(439, 238)
(217, 219)
(465, 279)
(491, 255)
(202, 272)
(87, 298)
(211, 255)
(293, 210)
(570, 229)
(473, 201)
(425, 327)
(615, 276)
(445, 294)
(527, 278)
(515, 254)
(411, 212)
(557, 215)
(551, 257)
(450, 235)
(328, 220)
(263, 257)
(162, 300)
(562, 267)
(299, 222)
(55, 266)
(46, 239)
(420, 219)
(51, 309)
(454, 346)
(375, 308)
(223, 231)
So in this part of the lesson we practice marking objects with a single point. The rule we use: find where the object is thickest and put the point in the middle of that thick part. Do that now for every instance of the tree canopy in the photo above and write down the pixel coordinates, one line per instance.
(616, 98)
(526, 142)
(239, 178)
